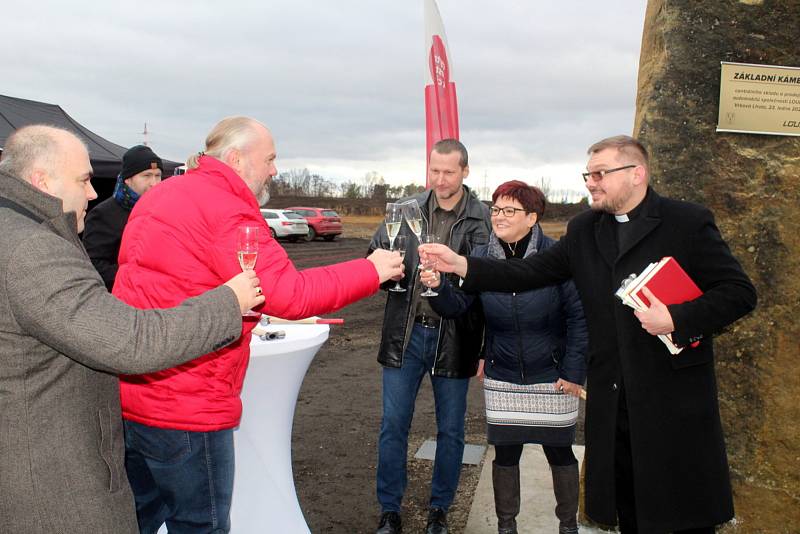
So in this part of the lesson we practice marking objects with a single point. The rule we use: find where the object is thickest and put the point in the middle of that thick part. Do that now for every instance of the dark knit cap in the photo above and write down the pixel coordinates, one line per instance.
(137, 159)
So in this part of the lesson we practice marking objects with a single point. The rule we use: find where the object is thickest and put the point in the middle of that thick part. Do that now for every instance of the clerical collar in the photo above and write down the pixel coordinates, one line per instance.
(634, 213)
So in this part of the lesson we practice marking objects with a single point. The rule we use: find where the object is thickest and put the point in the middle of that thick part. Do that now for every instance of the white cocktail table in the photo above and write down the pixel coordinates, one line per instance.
(264, 497)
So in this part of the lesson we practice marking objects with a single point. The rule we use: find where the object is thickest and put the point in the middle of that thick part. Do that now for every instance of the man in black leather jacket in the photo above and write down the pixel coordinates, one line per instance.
(415, 341)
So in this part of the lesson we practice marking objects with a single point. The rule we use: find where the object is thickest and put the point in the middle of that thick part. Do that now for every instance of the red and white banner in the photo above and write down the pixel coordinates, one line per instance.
(441, 105)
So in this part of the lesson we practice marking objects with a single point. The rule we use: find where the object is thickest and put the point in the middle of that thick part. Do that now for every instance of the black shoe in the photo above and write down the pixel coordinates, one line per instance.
(437, 522)
(390, 523)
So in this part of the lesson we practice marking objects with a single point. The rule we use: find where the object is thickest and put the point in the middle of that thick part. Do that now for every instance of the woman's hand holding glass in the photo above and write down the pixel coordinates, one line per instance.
(431, 279)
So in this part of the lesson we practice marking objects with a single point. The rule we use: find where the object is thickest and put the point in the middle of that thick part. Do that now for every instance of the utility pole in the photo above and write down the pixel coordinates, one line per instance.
(145, 134)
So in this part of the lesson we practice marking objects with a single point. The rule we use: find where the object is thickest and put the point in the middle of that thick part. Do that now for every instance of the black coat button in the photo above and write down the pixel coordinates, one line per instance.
(614, 387)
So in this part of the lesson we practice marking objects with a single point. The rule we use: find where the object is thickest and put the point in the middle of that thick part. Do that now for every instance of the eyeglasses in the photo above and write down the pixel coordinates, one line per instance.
(508, 211)
(599, 175)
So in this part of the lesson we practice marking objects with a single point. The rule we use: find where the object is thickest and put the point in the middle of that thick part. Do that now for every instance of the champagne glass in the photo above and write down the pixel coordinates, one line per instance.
(400, 244)
(429, 264)
(247, 253)
(413, 217)
(393, 219)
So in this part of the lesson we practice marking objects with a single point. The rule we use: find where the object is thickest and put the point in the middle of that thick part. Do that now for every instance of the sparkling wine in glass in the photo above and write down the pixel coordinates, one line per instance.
(413, 217)
(400, 244)
(247, 259)
(393, 219)
(247, 252)
(429, 264)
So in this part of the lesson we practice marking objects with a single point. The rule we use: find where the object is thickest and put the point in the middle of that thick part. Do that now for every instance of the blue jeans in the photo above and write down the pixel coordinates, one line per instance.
(400, 387)
(182, 478)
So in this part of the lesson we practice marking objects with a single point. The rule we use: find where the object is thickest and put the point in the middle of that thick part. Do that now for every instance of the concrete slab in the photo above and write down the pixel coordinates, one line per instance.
(473, 454)
(538, 503)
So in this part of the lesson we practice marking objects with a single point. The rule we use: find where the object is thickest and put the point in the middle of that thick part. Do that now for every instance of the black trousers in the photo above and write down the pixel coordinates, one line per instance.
(623, 476)
(509, 455)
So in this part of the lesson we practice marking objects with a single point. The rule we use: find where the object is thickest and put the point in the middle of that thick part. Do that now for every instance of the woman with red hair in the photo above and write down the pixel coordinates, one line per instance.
(533, 359)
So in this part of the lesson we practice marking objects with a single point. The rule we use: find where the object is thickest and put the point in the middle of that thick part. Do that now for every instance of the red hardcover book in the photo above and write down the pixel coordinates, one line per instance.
(668, 282)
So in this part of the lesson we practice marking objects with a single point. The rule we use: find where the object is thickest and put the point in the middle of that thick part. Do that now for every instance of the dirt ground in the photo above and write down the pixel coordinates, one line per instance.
(339, 410)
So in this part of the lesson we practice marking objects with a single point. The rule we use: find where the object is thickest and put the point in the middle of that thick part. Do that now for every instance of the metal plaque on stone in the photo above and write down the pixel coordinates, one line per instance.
(759, 99)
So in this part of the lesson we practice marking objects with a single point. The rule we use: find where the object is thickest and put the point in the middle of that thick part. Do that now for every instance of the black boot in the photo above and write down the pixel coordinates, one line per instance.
(390, 523)
(505, 480)
(437, 522)
(566, 484)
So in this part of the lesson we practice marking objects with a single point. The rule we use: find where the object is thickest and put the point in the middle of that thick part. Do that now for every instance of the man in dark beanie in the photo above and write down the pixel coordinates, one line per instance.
(141, 170)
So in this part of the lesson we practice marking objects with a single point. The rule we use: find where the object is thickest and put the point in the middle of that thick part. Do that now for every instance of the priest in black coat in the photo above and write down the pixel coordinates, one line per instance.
(655, 454)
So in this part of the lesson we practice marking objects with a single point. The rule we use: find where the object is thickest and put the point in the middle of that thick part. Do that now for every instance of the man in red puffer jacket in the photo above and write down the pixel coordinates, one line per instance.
(180, 241)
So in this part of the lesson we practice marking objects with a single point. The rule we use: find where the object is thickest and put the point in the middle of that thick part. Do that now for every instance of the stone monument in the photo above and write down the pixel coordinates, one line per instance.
(752, 184)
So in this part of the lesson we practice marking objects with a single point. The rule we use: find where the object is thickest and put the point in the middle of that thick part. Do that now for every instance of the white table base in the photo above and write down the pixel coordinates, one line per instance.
(264, 496)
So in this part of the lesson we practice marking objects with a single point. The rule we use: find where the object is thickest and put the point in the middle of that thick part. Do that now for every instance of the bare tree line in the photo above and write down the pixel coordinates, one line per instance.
(304, 183)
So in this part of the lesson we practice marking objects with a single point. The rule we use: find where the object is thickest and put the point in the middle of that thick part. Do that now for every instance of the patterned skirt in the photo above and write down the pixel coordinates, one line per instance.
(533, 413)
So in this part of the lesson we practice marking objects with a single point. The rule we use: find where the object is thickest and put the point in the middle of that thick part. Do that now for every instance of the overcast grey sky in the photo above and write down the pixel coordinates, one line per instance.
(340, 84)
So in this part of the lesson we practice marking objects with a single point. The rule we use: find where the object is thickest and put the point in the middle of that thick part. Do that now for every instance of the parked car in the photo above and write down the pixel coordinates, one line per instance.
(322, 222)
(285, 224)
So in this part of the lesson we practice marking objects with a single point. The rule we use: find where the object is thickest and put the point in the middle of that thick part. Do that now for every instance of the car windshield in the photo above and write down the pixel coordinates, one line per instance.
(292, 215)
(329, 213)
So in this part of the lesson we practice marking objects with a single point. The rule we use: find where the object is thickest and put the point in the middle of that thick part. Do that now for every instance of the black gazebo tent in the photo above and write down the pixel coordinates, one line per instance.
(106, 157)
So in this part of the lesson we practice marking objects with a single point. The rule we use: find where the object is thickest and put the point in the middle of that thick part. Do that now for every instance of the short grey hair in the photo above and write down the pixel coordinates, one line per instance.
(231, 133)
(37, 145)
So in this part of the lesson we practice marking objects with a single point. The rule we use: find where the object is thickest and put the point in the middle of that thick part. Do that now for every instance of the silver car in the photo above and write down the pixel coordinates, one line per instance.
(285, 224)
